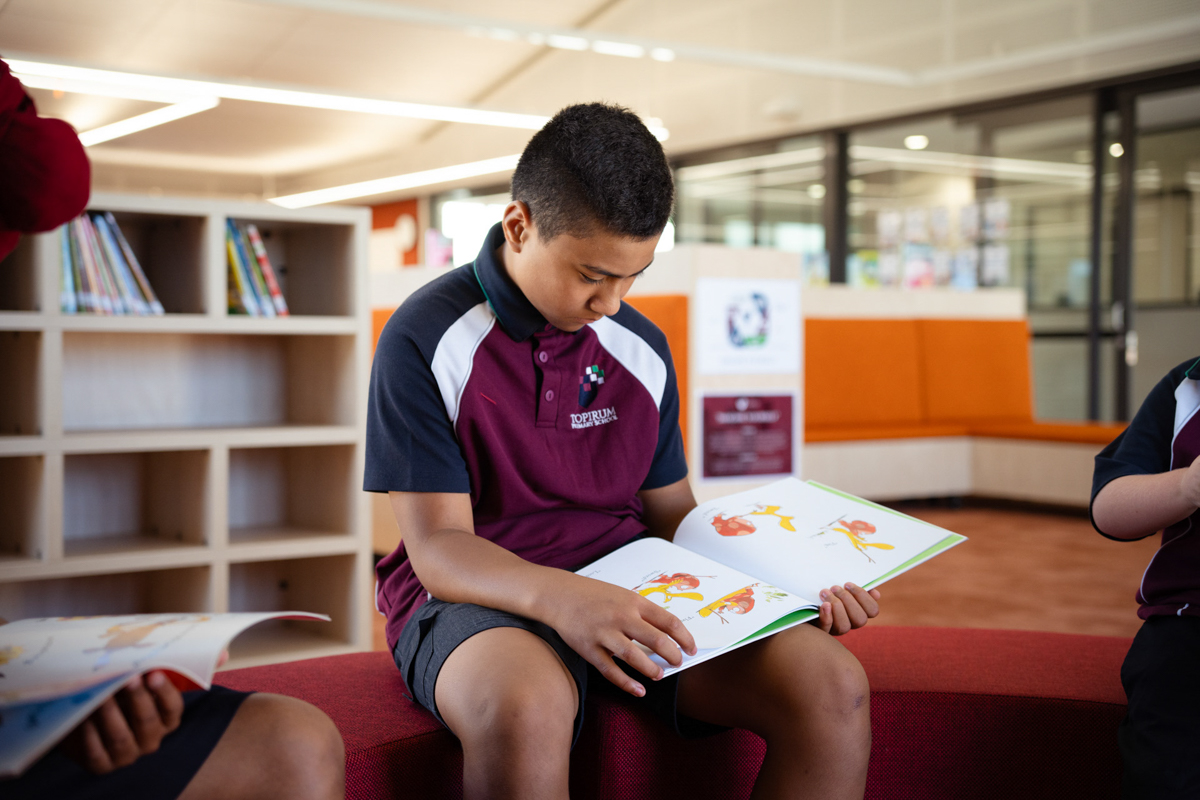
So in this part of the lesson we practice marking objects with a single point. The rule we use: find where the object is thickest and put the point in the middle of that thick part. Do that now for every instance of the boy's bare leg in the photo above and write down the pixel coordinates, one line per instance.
(511, 701)
(807, 696)
(275, 746)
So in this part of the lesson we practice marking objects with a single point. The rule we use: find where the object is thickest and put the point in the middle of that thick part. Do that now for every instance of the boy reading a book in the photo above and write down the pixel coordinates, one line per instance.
(1148, 480)
(525, 422)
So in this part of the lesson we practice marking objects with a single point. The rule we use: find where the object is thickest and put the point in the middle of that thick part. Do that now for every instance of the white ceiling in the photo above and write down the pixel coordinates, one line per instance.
(951, 51)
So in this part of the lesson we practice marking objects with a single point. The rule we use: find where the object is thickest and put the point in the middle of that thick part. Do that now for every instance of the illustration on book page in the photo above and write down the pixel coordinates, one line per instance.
(718, 605)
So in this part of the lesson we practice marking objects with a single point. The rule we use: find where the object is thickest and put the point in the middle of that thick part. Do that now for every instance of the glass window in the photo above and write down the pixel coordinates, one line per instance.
(1001, 198)
(768, 197)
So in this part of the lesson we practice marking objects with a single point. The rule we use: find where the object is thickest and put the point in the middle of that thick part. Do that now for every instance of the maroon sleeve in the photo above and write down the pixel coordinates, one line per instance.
(43, 167)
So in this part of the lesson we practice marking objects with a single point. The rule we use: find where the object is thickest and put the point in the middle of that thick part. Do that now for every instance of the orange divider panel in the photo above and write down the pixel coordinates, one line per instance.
(670, 313)
(379, 318)
(861, 372)
(975, 370)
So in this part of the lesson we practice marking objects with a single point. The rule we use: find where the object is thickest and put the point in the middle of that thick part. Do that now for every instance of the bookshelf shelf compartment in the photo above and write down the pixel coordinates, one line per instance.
(170, 249)
(125, 502)
(312, 262)
(22, 494)
(205, 381)
(323, 585)
(289, 492)
(20, 364)
(18, 281)
(151, 592)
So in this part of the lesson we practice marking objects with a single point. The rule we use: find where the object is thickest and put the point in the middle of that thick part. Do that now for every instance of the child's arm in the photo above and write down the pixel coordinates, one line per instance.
(1135, 506)
(598, 620)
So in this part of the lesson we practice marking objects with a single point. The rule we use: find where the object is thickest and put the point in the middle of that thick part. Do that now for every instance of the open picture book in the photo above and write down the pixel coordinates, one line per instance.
(56, 671)
(748, 565)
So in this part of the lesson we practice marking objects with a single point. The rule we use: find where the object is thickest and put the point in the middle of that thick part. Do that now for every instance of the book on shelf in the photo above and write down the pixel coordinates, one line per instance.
(100, 273)
(254, 284)
(748, 565)
(56, 671)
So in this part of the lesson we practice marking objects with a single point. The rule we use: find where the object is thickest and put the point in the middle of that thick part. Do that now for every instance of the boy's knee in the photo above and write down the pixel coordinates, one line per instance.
(535, 715)
(302, 752)
(825, 680)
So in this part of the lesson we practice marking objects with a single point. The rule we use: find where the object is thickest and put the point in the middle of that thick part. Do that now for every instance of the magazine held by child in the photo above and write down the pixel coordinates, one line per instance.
(56, 671)
(745, 566)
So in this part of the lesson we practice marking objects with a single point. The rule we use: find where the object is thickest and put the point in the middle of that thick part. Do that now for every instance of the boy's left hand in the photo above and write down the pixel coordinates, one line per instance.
(844, 608)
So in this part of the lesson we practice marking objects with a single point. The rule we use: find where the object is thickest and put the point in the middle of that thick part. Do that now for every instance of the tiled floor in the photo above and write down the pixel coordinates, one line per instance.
(1023, 568)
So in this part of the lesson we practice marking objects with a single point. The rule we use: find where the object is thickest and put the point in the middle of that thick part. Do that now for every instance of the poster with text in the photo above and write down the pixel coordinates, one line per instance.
(748, 326)
(748, 435)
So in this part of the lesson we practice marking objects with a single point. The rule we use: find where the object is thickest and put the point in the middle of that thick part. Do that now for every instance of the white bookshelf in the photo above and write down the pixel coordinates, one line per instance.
(198, 461)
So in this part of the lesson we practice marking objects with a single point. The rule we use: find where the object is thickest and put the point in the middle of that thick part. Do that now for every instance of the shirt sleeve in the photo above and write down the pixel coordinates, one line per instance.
(411, 445)
(669, 465)
(1144, 448)
(43, 167)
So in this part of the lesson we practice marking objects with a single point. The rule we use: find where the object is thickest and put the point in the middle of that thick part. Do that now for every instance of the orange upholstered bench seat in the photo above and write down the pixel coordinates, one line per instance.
(850, 433)
(1096, 433)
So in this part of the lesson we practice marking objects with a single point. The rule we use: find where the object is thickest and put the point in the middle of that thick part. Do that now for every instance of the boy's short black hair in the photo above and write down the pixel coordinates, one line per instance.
(593, 165)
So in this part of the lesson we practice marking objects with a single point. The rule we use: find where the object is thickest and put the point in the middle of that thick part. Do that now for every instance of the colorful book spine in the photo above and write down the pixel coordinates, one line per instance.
(68, 299)
(237, 272)
(101, 299)
(152, 301)
(87, 292)
(256, 275)
(108, 276)
(131, 293)
(257, 284)
(268, 272)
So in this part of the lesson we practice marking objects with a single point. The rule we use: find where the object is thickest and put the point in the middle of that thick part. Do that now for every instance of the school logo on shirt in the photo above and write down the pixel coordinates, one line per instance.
(589, 385)
(590, 419)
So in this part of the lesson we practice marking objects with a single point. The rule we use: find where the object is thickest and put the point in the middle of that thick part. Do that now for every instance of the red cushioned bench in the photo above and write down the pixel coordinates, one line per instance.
(955, 713)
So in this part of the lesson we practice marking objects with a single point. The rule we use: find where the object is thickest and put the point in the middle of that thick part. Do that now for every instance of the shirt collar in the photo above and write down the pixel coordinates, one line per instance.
(516, 314)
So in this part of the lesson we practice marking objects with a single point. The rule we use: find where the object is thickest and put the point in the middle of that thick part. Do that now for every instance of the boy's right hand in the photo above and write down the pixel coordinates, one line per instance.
(599, 621)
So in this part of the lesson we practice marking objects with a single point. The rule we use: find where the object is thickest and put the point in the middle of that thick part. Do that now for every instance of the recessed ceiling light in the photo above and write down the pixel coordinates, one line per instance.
(563, 42)
(397, 183)
(816, 191)
(618, 49)
(159, 116)
(141, 86)
(662, 54)
(916, 142)
(1116, 150)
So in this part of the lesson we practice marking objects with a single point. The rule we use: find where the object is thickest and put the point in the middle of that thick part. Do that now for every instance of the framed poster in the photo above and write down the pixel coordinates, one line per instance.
(748, 435)
(747, 326)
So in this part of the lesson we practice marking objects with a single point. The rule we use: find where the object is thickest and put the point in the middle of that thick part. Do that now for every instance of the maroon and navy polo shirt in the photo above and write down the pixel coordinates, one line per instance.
(1164, 435)
(552, 433)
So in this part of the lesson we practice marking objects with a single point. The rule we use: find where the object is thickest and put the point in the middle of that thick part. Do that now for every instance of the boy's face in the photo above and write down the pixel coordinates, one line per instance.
(571, 280)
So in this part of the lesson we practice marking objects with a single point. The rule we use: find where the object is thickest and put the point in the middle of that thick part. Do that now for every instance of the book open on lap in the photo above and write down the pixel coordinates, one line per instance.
(748, 565)
(55, 671)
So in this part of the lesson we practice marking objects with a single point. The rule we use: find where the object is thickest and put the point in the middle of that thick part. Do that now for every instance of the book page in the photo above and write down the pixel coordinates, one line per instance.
(805, 537)
(54, 671)
(718, 605)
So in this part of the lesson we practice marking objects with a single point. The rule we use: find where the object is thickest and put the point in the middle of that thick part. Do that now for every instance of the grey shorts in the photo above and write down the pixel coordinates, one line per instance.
(437, 628)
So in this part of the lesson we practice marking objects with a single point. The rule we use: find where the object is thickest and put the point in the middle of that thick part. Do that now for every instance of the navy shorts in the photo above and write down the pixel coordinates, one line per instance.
(1160, 736)
(161, 775)
(437, 628)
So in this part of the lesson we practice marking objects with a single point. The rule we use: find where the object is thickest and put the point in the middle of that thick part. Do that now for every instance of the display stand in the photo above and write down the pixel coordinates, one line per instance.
(200, 460)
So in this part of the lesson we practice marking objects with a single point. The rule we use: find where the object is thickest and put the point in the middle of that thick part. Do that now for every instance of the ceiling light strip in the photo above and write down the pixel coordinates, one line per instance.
(398, 183)
(151, 119)
(109, 82)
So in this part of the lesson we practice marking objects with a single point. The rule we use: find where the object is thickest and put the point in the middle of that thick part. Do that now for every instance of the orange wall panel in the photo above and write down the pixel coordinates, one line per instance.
(975, 369)
(861, 372)
(670, 313)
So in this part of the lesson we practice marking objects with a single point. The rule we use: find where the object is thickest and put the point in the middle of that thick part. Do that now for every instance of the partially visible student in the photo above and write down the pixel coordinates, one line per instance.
(44, 173)
(150, 742)
(1148, 480)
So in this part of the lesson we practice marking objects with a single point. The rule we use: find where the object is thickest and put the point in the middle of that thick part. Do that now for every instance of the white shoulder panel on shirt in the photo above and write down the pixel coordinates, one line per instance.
(1187, 403)
(635, 355)
(455, 355)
